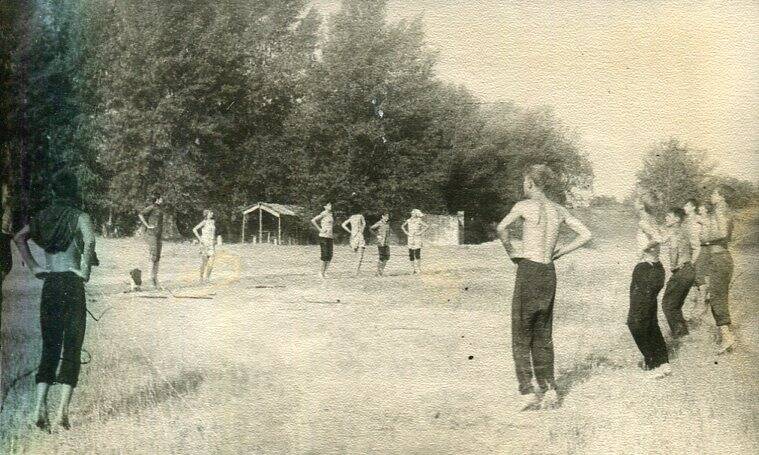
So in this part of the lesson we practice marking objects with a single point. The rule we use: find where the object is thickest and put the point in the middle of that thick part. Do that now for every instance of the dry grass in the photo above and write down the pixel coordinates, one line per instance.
(275, 364)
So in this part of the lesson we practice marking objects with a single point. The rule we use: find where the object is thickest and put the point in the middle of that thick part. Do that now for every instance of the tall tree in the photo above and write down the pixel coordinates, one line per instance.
(201, 120)
(487, 179)
(376, 126)
(672, 173)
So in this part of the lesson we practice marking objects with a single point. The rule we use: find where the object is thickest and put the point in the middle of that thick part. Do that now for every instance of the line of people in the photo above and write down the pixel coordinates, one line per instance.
(355, 225)
(696, 240)
(697, 243)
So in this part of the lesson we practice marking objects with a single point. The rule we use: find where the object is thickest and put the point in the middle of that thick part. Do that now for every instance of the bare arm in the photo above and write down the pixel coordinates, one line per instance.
(654, 236)
(723, 225)
(503, 227)
(22, 243)
(583, 235)
(375, 226)
(196, 229)
(425, 226)
(403, 227)
(694, 236)
(142, 217)
(315, 221)
(88, 236)
(345, 225)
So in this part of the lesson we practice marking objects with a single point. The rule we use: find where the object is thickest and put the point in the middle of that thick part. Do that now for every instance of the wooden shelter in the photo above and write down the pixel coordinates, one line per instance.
(289, 223)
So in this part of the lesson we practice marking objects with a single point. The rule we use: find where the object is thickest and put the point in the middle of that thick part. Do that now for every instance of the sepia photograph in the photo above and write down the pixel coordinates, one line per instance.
(379, 227)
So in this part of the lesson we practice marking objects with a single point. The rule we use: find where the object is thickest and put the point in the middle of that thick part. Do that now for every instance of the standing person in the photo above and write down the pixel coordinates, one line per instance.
(535, 285)
(6, 257)
(326, 241)
(647, 282)
(684, 247)
(357, 224)
(701, 264)
(382, 229)
(721, 265)
(207, 243)
(414, 228)
(67, 236)
(152, 218)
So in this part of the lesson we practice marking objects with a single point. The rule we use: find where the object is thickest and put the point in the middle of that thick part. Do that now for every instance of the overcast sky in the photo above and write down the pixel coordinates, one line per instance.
(623, 75)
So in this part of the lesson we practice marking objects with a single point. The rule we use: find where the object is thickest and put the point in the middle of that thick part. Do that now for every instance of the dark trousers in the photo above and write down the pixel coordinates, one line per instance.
(647, 282)
(675, 293)
(532, 324)
(720, 275)
(326, 247)
(63, 319)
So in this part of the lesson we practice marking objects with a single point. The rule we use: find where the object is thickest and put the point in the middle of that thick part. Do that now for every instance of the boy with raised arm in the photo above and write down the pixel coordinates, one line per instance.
(67, 236)
(152, 218)
(535, 285)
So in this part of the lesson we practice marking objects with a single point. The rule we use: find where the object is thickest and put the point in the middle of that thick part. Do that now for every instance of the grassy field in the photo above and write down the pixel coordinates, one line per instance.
(280, 361)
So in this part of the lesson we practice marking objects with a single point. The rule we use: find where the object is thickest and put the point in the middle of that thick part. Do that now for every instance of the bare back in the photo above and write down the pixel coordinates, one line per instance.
(63, 261)
(542, 220)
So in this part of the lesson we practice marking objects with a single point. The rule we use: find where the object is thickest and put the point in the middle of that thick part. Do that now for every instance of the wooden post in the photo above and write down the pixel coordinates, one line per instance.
(260, 223)
(244, 222)
(279, 230)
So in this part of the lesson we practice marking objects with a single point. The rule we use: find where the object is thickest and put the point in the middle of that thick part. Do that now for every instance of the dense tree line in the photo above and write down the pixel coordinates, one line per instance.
(674, 172)
(225, 104)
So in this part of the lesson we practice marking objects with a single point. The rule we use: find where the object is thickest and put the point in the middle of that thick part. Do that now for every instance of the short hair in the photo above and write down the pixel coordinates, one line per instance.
(206, 212)
(540, 174)
(693, 202)
(677, 211)
(726, 191)
(65, 185)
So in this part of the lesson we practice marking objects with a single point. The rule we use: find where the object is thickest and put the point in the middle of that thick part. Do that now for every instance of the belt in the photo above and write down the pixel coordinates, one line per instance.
(681, 266)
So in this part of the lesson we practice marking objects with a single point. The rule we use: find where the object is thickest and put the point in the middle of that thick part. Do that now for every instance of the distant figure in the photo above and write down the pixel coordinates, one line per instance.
(535, 286)
(357, 224)
(207, 241)
(684, 247)
(721, 265)
(326, 241)
(382, 229)
(647, 282)
(152, 218)
(67, 236)
(414, 228)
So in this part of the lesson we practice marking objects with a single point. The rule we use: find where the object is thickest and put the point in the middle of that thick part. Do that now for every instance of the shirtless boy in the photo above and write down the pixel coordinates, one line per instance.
(535, 286)
(67, 236)
(647, 281)
(382, 228)
(721, 265)
(355, 226)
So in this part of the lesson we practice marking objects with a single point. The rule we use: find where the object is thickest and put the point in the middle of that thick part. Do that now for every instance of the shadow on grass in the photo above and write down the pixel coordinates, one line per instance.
(148, 396)
(582, 371)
